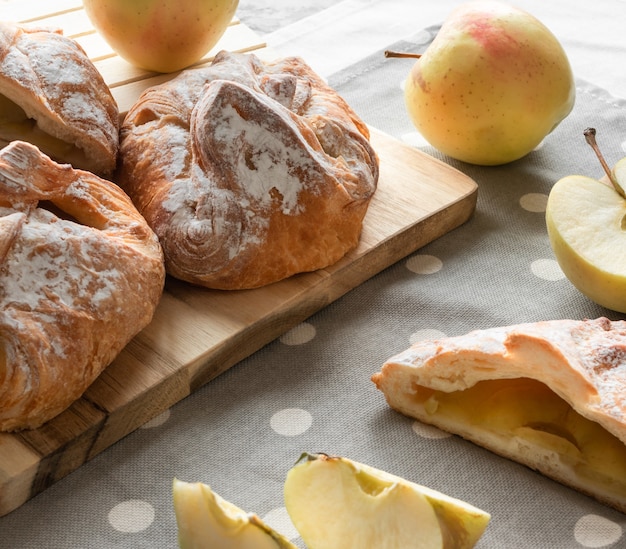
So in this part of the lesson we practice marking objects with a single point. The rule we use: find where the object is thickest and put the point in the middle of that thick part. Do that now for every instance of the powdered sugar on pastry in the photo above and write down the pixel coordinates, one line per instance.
(547, 394)
(53, 96)
(582, 361)
(249, 172)
(80, 274)
(64, 278)
(268, 160)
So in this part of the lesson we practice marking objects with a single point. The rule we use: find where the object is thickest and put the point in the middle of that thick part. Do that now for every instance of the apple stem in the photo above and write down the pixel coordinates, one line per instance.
(389, 53)
(590, 137)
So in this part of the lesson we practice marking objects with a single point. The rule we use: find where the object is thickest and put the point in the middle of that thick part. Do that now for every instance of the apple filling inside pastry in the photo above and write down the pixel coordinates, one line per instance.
(15, 125)
(535, 420)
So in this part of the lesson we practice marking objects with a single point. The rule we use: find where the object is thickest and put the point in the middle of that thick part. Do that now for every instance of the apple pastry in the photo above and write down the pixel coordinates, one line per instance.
(249, 172)
(52, 96)
(80, 274)
(549, 395)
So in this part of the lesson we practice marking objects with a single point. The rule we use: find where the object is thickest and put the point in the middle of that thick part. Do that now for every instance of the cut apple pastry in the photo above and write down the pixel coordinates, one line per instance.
(549, 395)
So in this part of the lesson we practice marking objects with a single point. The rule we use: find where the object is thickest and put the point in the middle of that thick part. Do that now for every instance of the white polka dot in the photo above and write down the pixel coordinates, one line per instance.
(596, 531)
(422, 335)
(279, 520)
(299, 335)
(291, 421)
(131, 516)
(424, 264)
(157, 421)
(415, 139)
(428, 431)
(547, 269)
(534, 202)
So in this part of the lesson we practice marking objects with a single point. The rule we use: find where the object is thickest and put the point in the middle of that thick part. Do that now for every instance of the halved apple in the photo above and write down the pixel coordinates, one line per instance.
(205, 520)
(585, 223)
(337, 503)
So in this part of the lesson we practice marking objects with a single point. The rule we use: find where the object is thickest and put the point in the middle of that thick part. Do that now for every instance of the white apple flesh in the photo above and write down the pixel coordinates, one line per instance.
(585, 219)
(161, 35)
(337, 503)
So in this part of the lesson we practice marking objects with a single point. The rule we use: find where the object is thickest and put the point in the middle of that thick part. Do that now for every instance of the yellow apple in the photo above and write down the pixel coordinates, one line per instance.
(586, 223)
(204, 519)
(493, 83)
(337, 503)
(161, 35)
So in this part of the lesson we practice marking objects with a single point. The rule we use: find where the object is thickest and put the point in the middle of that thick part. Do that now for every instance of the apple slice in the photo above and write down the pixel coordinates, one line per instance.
(337, 503)
(204, 519)
(586, 224)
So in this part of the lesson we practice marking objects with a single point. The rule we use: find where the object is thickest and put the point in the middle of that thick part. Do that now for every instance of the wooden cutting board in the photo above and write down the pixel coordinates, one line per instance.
(197, 334)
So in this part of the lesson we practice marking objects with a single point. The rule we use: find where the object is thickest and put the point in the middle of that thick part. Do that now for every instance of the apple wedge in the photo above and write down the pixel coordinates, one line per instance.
(205, 520)
(337, 503)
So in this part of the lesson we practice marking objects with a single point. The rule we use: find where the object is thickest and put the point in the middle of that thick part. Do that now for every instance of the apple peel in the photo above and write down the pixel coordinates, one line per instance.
(491, 86)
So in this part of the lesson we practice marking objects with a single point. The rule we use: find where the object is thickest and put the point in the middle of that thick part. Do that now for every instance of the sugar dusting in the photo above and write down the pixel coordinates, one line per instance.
(602, 345)
(50, 72)
(265, 165)
(55, 260)
(236, 153)
(594, 349)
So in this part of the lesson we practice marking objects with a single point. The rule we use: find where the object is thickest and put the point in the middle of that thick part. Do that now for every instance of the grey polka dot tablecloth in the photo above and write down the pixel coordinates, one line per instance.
(310, 390)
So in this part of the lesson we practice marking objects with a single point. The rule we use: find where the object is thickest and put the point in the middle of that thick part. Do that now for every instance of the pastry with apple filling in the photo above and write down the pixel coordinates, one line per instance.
(249, 172)
(52, 96)
(80, 274)
(549, 395)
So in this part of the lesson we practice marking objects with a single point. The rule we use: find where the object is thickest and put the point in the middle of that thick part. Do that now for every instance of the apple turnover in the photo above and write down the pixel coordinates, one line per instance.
(249, 172)
(550, 395)
(80, 274)
(52, 96)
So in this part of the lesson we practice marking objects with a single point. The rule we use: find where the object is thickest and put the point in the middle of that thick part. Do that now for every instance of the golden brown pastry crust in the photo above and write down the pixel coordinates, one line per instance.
(583, 362)
(53, 81)
(249, 172)
(80, 274)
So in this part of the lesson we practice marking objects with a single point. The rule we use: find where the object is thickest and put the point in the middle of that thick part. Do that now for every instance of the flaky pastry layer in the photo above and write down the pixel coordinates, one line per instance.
(81, 273)
(53, 96)
(249, 172)
(550, 395)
